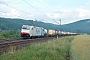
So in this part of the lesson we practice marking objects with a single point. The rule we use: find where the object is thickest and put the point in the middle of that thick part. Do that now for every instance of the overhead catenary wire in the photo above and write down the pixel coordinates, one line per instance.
(33, 3)
(15, 9)
(16, 15)
(55, 21)
(33, 7)
(20, 9)
(40, 9)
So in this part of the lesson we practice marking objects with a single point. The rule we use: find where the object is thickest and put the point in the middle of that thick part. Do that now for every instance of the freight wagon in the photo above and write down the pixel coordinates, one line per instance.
(52, 32)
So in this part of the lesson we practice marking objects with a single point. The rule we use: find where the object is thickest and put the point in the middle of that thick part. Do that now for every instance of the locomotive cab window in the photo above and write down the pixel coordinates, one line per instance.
(28, 28)
(25, 27)
(32, 28)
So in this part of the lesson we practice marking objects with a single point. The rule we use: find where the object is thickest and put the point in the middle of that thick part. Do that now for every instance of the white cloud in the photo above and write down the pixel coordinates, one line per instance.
(13, 12)
(87, 3)
(77, 13)
(40, 0)
(83, 12)
(31, 15)
(49, 15)
(68, 15)
(65, 13)
(56, 16)
(46, 11)
(53, 15)
(81, 6)
(65, 10)
(5, 0)
(45, 4)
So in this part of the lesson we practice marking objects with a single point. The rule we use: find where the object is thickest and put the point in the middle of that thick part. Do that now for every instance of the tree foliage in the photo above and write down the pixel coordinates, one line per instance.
(15, 25)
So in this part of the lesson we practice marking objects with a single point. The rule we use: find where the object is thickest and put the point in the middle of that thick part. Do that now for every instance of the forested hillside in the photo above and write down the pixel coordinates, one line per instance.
(82, 26)
(14, 24)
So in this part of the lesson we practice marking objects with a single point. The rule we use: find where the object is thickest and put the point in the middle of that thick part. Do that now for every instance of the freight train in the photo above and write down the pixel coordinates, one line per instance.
(28, 31)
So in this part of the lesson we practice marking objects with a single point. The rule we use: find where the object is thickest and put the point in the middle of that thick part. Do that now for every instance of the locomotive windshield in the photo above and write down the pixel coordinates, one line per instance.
(25, 27)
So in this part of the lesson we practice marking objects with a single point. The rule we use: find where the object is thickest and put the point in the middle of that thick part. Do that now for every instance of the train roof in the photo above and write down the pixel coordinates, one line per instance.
(32, 26)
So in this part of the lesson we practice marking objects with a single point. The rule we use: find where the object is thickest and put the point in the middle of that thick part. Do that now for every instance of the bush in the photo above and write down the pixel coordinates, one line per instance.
(8, 35)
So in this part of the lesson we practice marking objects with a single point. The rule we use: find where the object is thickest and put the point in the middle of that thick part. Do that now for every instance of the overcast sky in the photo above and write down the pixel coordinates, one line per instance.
(46, 10)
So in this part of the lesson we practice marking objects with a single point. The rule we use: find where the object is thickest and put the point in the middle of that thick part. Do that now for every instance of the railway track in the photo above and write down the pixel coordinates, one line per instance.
(18, 44)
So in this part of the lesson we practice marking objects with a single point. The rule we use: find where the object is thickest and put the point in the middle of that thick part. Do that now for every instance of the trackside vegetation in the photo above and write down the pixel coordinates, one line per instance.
(7, 34)
(80, 48)
(56, 49)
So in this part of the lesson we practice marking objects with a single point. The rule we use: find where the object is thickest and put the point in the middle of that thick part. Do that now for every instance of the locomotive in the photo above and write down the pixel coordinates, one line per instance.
(28, 31)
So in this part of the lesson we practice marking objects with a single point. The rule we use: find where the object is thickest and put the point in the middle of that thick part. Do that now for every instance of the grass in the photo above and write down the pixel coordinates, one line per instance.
(6, 36)
(80, 48)
(57, 49)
